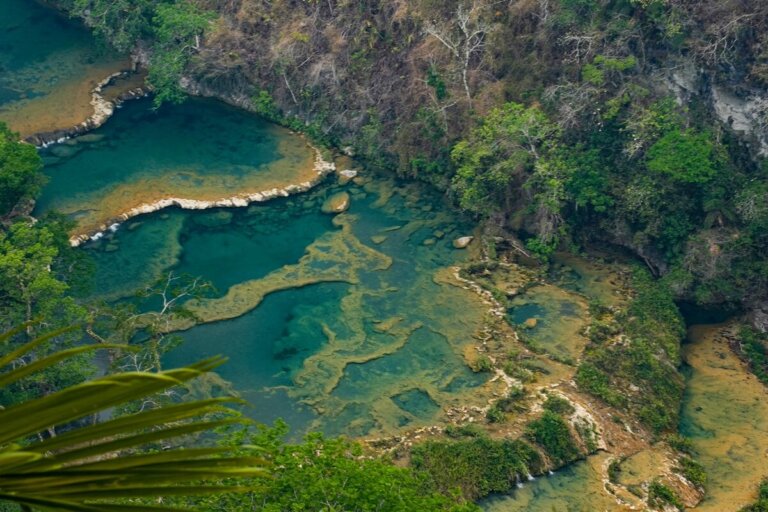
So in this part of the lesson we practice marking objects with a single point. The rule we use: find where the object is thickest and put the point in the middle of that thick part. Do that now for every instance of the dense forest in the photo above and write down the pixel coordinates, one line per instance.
(634, 127)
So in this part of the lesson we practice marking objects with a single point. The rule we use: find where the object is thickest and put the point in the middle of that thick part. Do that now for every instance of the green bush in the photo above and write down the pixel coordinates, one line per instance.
(477, 467)
(659, 495)
(647, 358)
(466, 430)
(558, 405)
(495, 414)
(693, 471)
(686, 157)
(551, 432)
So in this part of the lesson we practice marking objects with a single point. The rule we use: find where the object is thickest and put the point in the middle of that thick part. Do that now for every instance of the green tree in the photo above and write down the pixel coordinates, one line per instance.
(121, 22)
(20, 166)
(177, 30)
(496, 158)
(29, 288)
(685, 156)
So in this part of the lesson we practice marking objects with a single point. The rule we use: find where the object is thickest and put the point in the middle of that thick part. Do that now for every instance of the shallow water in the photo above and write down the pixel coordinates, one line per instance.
(202, 150)
(349, 325)
(48, 66)
(577, 488)
(344, 324)
(725, 413)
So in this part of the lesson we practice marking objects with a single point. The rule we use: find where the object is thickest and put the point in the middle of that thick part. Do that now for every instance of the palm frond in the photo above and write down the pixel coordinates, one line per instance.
(89, 468)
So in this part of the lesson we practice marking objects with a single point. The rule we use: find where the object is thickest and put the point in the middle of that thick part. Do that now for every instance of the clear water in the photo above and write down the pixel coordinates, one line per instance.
(48, 64)
(346, 345)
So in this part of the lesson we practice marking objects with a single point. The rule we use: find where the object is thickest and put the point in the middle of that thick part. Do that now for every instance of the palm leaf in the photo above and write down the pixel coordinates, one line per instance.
(86, 469)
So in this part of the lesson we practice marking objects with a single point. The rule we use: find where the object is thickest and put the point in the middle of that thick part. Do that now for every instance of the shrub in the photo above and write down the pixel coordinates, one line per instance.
(478, 466)
(659, 495)
(558, 405)
(551, 432)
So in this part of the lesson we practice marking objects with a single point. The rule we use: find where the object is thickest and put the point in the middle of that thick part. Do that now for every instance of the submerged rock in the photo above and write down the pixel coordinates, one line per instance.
(378, 239)
(531, 323)
(210, 220)
(463, 242)
(90, 137)
(337, 203)
(62, 151)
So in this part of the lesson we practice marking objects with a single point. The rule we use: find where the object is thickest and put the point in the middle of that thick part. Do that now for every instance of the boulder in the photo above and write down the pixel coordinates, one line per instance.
(211, 220)
(378, 239)
(463, 242)
(346, 176)
(337, 203)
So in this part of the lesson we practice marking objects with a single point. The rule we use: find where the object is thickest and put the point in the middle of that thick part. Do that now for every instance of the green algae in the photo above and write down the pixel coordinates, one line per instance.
(323, 329)
(335, 257)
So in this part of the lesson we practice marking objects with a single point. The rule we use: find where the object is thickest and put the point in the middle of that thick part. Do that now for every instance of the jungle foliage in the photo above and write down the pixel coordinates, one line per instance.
(642, 354)
(333, 472)
(555, 119)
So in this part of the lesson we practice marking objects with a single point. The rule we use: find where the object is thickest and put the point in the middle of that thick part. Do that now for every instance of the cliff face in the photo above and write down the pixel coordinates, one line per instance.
(402, 80)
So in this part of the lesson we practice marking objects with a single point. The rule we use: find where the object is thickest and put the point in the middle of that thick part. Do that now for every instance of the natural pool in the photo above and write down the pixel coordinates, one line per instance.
(577, 488)
(48, 67)
(349, 323)
(201, 150)
(725, 413)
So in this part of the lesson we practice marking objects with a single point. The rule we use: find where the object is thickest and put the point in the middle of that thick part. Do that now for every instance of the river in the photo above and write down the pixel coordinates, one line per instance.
(347, 322)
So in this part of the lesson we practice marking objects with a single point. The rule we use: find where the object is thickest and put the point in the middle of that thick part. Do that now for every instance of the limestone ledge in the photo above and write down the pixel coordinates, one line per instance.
(321, 167)
(102, 111)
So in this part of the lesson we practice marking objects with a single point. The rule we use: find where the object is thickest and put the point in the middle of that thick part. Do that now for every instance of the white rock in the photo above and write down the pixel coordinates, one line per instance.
(463, 242)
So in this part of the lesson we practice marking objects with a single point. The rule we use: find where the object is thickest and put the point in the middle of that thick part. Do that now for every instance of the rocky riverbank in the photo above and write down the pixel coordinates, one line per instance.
(108, 95)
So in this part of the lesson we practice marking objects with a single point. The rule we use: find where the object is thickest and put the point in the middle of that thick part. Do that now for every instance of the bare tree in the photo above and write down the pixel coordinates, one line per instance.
(464, 36)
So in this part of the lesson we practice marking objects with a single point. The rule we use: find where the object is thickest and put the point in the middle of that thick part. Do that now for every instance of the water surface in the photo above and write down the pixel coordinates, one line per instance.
(725, 413)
